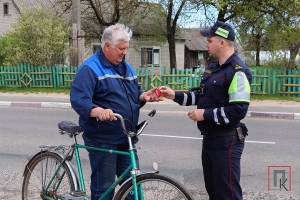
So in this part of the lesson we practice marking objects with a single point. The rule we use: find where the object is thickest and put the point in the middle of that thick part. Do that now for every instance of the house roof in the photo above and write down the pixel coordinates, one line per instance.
(148, 18)
(193, 40)
(26, 4)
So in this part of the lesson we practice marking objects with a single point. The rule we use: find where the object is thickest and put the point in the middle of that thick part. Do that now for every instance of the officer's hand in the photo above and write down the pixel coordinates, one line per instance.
(196, 115)
(105, 114)
(167, 92)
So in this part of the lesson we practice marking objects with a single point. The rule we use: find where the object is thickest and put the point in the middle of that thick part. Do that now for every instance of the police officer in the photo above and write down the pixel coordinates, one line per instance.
(222, 100)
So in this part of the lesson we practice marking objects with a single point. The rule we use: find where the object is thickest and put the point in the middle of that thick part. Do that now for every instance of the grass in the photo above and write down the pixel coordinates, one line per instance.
(66, 90)
(275, 97)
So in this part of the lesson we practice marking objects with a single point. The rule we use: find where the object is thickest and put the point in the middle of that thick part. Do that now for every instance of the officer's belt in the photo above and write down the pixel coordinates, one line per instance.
(230, 133)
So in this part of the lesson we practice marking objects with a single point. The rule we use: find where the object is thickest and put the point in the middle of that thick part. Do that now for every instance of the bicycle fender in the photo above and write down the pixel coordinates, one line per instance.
(68, 163)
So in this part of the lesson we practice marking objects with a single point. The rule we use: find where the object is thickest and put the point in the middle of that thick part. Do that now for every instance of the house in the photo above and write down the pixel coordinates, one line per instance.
(196, 53)
(9, 13)
(157, 54)
(11, 9)
(191, 51)
(149, 46)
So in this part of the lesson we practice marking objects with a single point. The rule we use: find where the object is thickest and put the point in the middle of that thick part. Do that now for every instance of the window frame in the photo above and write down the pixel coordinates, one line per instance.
(6, 9)
(153, 50)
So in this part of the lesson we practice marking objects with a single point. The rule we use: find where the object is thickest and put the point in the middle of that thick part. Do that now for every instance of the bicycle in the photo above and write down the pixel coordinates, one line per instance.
(49, 174)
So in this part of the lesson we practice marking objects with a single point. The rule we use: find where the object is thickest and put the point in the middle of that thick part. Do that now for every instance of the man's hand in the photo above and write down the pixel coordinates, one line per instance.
(167, 92)
(150, 96)
(196, 115)
(103, 114)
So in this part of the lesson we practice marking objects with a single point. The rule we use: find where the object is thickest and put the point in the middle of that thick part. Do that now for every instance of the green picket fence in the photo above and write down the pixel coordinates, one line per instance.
(265, 81)
(275, 82)
(25, 75)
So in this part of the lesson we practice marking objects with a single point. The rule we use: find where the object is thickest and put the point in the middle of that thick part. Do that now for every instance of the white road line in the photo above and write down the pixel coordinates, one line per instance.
(198, 138)
(261, 142)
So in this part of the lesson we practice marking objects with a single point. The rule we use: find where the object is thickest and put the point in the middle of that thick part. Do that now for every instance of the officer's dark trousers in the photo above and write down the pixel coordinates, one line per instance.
(221, 167)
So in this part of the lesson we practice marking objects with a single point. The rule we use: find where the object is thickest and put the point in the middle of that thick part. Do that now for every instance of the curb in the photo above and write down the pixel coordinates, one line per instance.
(254, 114)
(275, 115)
(35, 104)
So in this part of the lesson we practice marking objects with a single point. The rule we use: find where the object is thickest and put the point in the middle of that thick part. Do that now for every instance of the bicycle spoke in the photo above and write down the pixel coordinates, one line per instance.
(38, 177)
(153, 187)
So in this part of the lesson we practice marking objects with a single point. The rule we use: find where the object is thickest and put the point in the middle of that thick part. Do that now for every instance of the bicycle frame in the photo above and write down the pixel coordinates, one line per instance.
(79, 185)
(49, 174)
(132, 168)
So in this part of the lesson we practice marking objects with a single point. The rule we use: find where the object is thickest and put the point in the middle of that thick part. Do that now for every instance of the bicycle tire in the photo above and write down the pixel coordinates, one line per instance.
(38, 173)
(155, 186)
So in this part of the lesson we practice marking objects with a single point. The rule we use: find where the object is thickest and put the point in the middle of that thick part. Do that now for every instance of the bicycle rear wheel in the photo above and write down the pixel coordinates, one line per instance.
(155, 186)
(38, 173)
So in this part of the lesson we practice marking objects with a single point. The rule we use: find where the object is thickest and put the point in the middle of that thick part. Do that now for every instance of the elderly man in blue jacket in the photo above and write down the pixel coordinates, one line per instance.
(106, 84)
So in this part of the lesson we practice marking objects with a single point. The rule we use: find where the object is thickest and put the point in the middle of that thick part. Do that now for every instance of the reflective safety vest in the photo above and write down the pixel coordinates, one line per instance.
(239, 89)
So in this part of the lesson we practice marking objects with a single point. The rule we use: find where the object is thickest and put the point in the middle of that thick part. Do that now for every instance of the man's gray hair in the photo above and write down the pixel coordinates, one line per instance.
(114, 33)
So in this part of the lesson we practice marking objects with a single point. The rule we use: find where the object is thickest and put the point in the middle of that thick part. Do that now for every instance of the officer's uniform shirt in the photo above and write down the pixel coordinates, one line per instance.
(220, 115)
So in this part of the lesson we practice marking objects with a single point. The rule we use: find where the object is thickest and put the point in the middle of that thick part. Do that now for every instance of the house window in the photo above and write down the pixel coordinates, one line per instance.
(200, 55)
(150, 56)
(5, 9)
(96, 47)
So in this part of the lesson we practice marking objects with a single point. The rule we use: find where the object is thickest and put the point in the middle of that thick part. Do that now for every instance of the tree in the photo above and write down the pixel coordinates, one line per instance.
(38, 38)
(259, 21)
(3, 44)
(152, 20)
(96, 15)
(172, 18)
(285, 27)
(175, 9)
(263, 24)
(246, 18)
(253, 33)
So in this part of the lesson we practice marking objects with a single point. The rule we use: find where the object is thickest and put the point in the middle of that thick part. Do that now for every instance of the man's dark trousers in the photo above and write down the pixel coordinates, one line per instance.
(221, 167)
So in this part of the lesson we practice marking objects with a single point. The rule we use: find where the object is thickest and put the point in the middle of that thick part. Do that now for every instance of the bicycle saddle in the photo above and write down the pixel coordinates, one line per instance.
(69, 127)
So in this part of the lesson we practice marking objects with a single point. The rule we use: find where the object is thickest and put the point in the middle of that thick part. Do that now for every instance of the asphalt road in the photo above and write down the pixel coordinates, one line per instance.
(171, 140)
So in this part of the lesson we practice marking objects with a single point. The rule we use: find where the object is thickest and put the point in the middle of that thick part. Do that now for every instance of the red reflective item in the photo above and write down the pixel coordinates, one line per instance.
(158, 92)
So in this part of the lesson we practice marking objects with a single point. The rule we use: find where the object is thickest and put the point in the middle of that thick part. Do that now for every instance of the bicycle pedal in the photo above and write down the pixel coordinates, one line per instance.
(77, 193)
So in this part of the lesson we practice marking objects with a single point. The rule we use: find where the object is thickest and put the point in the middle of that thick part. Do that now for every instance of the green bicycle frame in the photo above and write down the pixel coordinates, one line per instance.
(128, 170)
(80, 174)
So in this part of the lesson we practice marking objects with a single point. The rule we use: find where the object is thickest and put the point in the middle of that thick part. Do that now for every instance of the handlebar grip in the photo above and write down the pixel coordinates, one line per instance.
(152, 113)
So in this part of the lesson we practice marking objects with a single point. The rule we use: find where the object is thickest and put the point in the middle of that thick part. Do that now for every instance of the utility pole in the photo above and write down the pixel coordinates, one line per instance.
(76, 35)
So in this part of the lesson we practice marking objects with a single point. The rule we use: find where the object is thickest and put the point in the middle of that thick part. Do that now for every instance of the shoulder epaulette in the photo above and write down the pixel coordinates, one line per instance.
(236, 66)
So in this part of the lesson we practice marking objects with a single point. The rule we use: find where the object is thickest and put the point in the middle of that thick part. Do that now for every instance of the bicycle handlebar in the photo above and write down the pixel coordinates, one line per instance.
(122, 121)
(141, 126)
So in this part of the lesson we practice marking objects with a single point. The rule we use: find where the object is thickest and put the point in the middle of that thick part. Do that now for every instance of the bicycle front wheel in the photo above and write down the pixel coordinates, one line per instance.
(38, 174)
(154, 186)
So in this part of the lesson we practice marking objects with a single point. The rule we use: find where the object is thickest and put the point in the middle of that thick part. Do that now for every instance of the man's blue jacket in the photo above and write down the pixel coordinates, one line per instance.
(99, 84)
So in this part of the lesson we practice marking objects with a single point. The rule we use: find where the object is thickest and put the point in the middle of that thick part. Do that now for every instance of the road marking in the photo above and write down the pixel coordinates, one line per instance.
(261, 142)
(200, 138)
